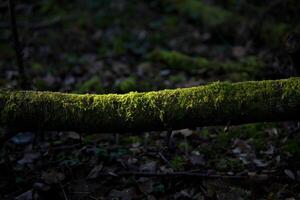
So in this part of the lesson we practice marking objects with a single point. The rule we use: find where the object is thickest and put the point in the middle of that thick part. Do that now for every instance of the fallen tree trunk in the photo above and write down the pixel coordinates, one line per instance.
(214, 104)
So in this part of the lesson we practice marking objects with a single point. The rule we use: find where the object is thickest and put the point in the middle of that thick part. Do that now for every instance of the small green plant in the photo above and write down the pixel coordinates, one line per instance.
(178, 162)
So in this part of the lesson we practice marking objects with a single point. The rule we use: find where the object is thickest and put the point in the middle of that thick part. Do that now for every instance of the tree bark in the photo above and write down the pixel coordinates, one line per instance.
(219, 103)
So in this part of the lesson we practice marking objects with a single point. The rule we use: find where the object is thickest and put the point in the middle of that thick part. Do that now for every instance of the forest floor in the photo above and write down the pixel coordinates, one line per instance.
(107, 47)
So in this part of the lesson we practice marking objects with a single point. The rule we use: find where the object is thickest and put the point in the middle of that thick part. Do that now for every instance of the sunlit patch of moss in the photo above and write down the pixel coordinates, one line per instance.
(178, 108)
(178, 162)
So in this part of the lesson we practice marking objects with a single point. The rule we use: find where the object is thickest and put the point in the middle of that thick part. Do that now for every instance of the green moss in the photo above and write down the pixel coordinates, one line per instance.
(214, 104)
(178, 162)
(250, 66)
(127, 85)
(91, 85)
(174, 59)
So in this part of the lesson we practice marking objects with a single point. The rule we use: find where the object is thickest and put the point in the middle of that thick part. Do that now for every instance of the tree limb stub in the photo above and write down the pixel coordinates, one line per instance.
(214, 104)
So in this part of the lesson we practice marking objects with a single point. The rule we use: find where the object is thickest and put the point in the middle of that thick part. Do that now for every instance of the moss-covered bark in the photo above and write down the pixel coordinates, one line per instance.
(214, 104)
(250, 66)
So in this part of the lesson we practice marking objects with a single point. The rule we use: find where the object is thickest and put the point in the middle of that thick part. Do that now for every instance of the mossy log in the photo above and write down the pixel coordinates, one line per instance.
(219, 103)
(250, 66)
